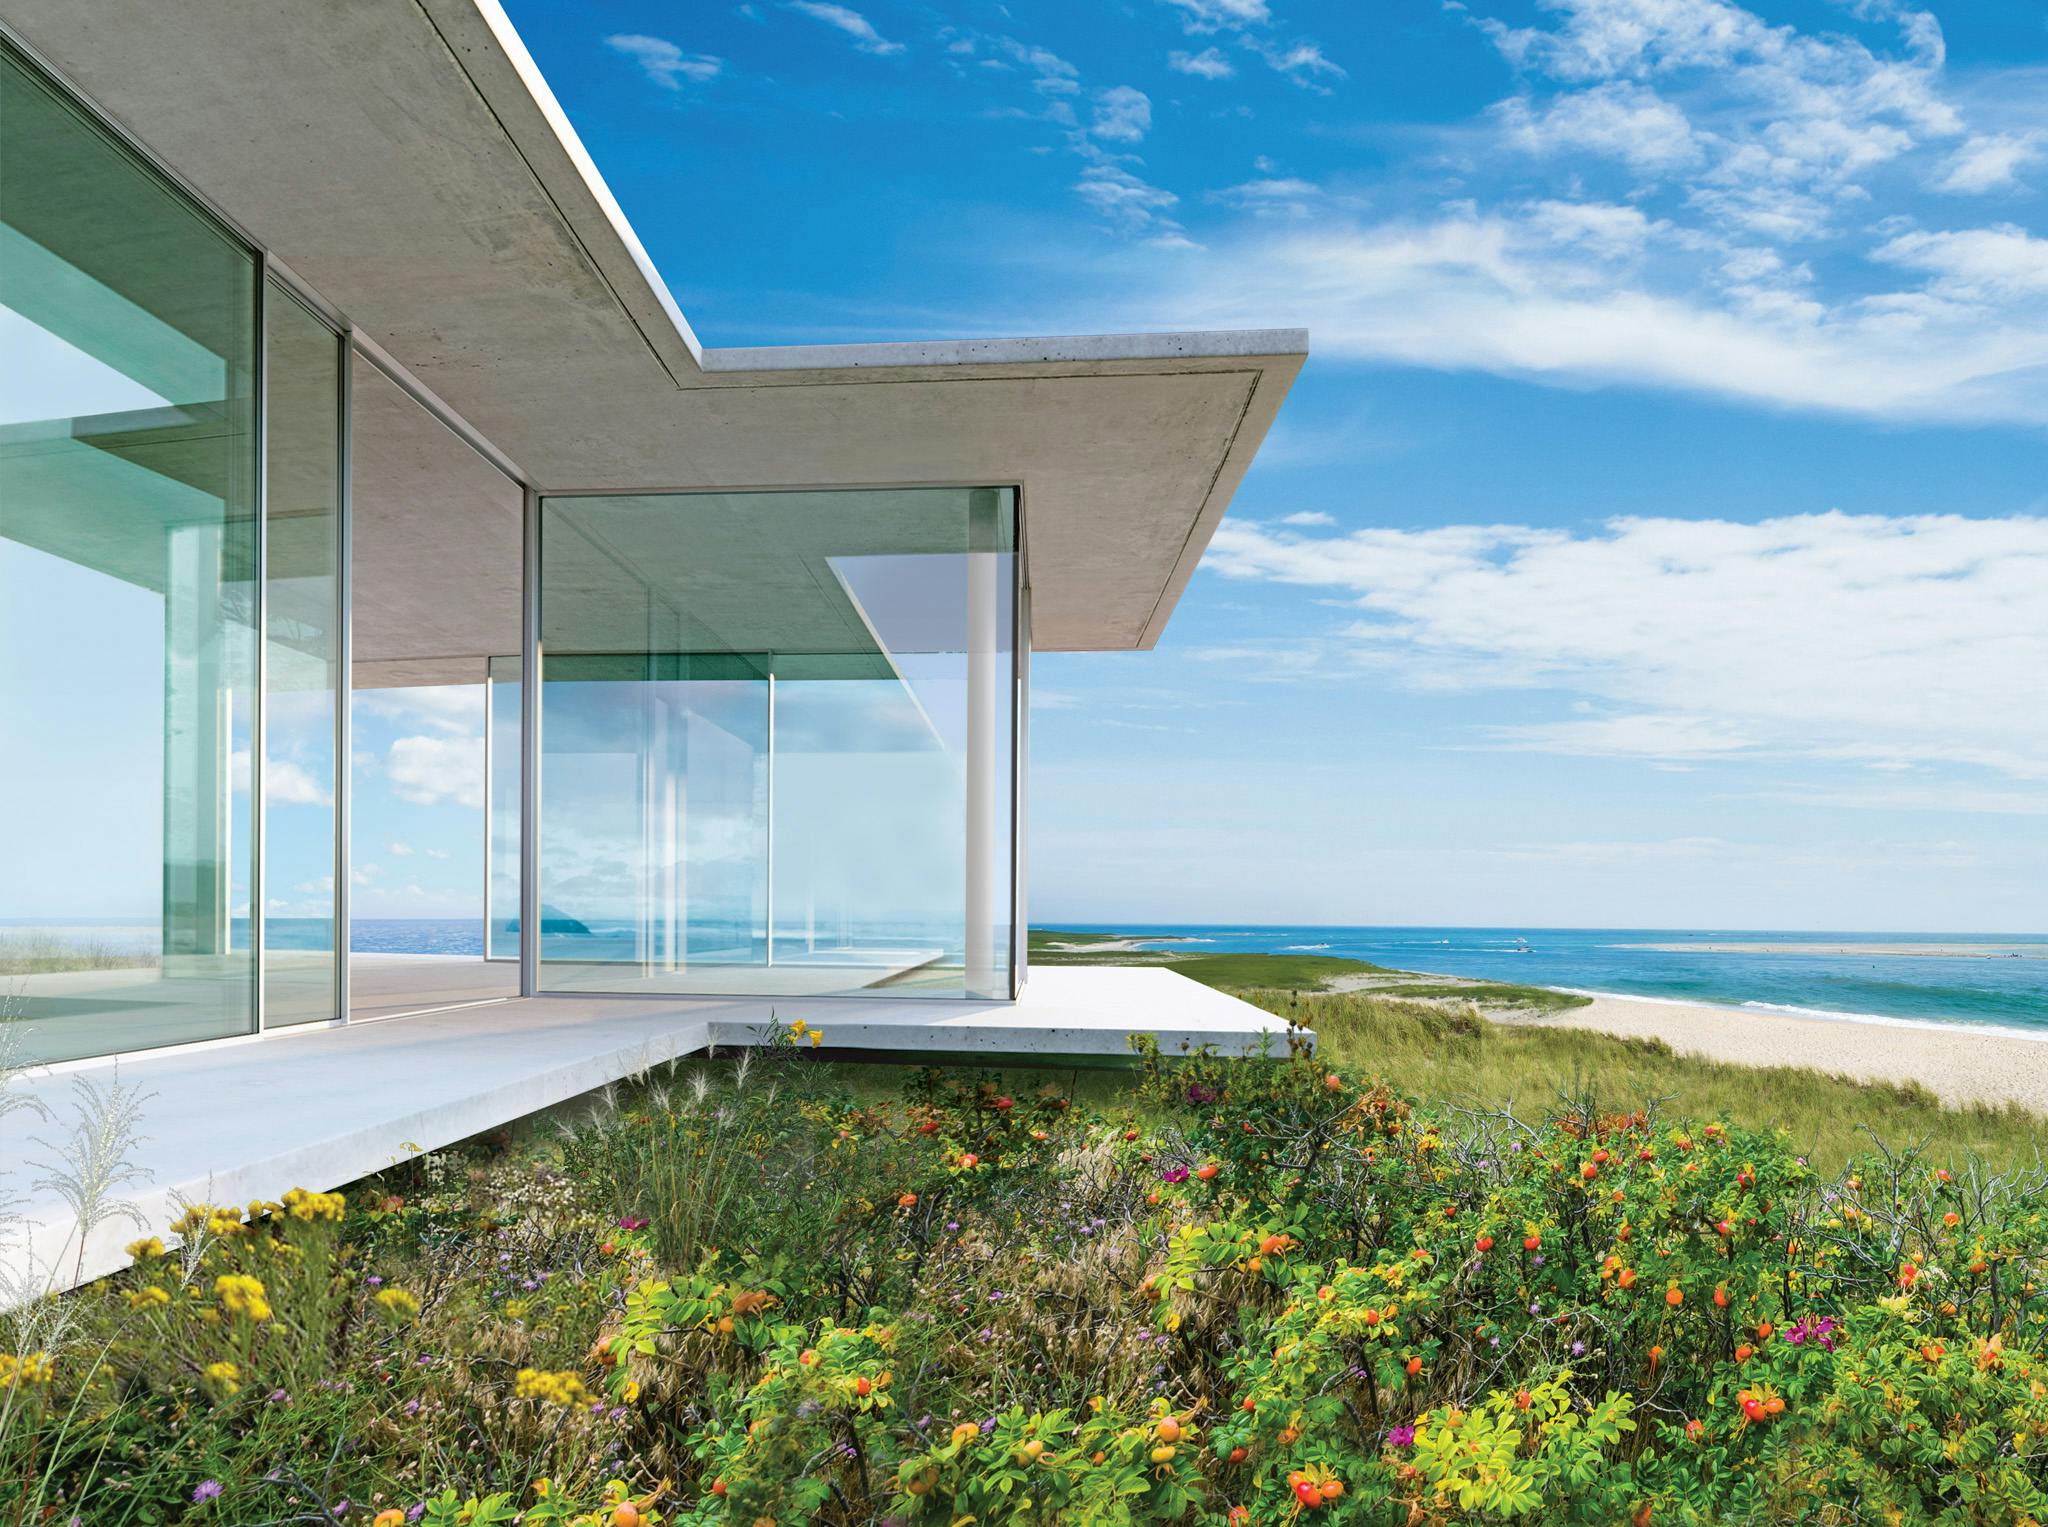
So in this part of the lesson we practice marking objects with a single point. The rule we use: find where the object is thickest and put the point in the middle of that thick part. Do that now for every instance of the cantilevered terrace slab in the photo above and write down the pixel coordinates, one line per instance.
(232, 1121)
(406, 159)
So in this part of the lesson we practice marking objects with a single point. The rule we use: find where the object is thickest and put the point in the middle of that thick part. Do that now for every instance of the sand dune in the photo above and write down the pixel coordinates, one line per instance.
(1958, 1063)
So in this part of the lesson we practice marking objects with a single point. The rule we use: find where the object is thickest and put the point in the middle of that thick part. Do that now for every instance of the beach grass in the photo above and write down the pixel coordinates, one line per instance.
(1461, 1057)
(35, 953)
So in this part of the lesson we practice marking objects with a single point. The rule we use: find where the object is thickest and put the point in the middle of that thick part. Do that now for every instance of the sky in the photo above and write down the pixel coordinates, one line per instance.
(1657, 533)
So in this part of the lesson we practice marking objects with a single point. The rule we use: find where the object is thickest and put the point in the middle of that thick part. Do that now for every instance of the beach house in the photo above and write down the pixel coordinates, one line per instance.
(330, 368)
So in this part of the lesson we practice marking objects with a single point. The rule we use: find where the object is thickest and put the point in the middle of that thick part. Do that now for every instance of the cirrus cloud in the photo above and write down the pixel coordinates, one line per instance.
(1894, 642)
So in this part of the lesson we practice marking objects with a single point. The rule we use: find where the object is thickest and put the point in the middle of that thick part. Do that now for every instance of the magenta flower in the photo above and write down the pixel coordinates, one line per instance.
(1401, 1436)
(632, 1222)
(1174, 1174)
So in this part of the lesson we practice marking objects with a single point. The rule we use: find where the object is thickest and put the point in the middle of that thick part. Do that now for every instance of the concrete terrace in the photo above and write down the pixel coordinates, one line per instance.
(232, 1121)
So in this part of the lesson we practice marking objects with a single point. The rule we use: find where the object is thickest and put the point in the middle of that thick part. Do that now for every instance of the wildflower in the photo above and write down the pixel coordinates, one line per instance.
(226, 1375)
(1174, 1174)
(204, 1491)
(149, 1246)
(564, 1388)
(242, 1295)
(146, 1298)
(632, 1222)
(20, 1372)
(389, 1517)
(302, 1205)
(397, 1303)
(1401, 1436)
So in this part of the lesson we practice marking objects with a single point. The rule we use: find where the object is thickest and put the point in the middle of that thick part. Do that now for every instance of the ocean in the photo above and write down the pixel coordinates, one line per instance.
(2004, 991)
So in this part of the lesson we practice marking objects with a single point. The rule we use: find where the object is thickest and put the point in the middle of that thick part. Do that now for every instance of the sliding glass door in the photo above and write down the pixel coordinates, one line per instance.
(776, 742)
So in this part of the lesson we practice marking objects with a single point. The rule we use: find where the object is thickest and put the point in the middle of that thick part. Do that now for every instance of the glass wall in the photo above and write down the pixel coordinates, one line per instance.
(502, 726)
(777, 742)
(127, 595)
(302, 660)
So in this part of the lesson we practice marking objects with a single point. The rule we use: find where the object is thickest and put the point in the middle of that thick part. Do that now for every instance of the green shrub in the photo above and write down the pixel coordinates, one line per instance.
(1243, 1294)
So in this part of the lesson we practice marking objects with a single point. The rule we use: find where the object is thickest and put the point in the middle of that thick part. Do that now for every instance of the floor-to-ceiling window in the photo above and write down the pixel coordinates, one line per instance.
(302, 461)
(776, 742)
(437, 535)
(128, 598)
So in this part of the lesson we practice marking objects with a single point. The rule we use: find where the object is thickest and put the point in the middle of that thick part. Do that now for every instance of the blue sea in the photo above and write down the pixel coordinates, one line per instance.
(2006, 992)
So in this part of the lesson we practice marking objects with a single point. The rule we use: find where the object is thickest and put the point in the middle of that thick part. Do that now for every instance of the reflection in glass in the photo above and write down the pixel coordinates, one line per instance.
(302, 517)
(127, 597)
(501, 768)
(776, 742)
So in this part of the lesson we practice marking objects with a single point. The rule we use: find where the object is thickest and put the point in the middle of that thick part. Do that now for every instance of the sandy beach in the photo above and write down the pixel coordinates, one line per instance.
(1960, 1064)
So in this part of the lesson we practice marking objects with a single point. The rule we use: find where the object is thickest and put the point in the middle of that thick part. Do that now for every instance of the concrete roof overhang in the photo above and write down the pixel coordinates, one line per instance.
(406, 161)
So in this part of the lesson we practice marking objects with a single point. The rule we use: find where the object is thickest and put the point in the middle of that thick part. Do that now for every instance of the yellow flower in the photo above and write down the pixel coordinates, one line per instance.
(191, 1219)
(20, 1372)
(391, 1516)
(817, 1038)
(227, 1375)
(144, 1298)
(631, 1392)
(242, 1295)
(224, 1221)
(313, 1206)
(563, 1388)
(396, 1301)
(149, 1246)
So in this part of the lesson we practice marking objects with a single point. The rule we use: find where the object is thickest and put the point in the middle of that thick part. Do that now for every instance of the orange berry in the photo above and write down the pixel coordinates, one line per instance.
(1674, 1296)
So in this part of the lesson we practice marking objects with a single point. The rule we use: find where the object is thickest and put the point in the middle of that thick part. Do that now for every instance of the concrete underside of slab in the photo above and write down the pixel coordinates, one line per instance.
(248, 1119)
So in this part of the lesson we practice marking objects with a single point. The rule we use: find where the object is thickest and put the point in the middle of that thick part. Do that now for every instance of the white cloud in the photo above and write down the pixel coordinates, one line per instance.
(1603, 228)
(1849, 640)
(1209, 64)
(665, 62)
(1976, 263)
(1123, 114)
(399, 850)
(1308, 517)
(430, 770)
(289, 784)
(443, 708)
(1213, 15)
(1126, 202)
(1990, 162)
(1496, 291)
(1274, 196)
(852, 23)
(1303, 62)
(1620, 120)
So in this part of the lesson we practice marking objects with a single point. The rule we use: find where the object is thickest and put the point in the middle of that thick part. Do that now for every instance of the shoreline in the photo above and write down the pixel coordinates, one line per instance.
(1962, 1064)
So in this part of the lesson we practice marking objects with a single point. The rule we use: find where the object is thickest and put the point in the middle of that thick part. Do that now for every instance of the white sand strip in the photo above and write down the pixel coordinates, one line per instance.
(1958, 1063)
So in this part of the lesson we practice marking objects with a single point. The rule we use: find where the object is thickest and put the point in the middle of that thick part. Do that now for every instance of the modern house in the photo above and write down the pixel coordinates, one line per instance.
(329, 367)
